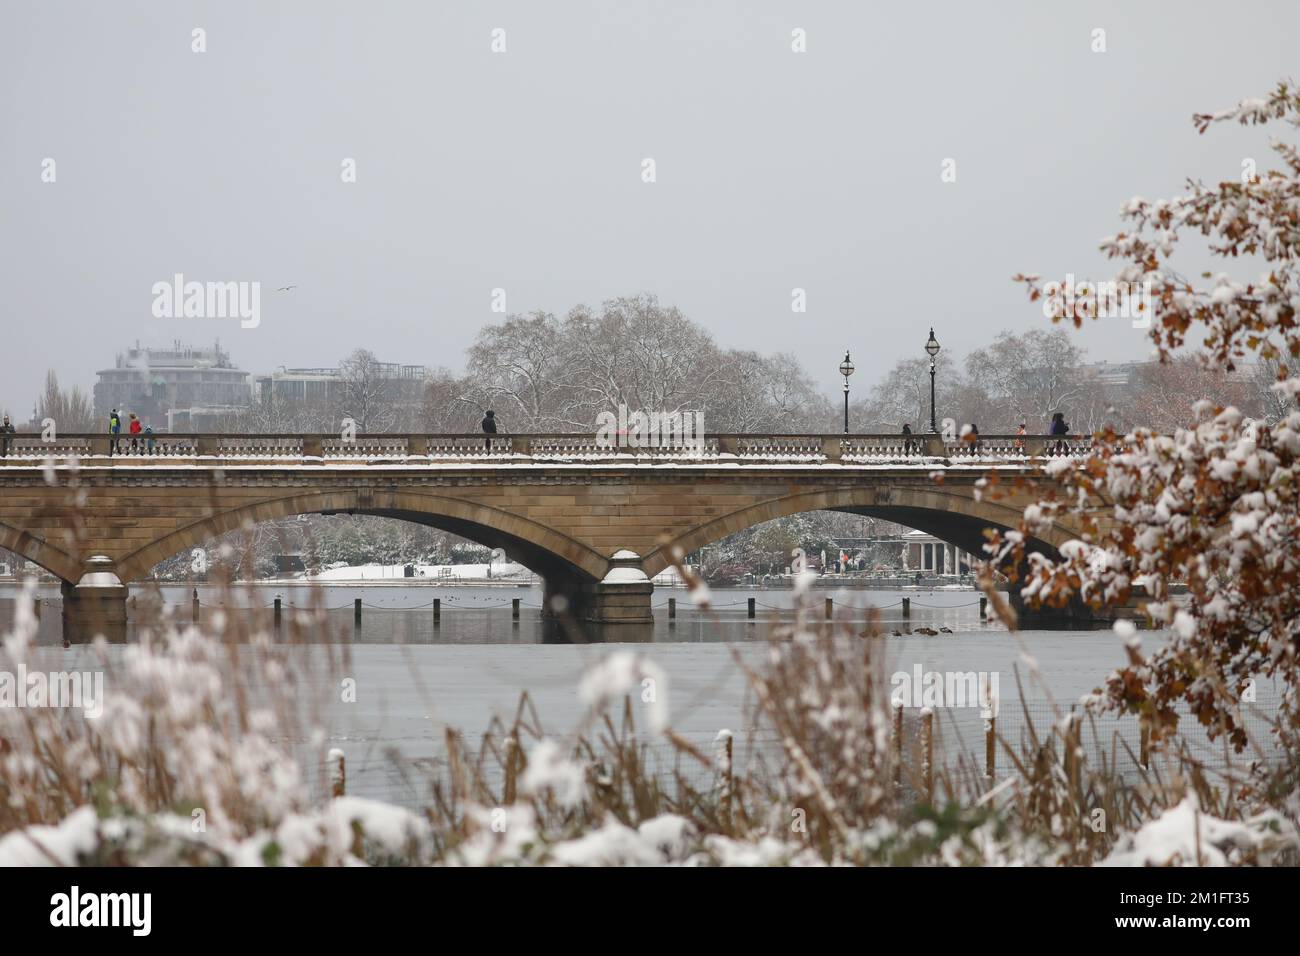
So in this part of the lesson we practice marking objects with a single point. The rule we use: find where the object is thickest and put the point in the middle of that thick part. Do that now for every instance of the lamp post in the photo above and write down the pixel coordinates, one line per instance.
(932, 347)
(846, 369)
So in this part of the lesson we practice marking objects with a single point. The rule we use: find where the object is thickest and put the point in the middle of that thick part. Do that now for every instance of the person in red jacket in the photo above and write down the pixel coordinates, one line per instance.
(136, 428)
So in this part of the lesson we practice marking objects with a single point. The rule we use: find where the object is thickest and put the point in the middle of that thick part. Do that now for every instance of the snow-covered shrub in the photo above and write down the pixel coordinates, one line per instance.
(1216, 505)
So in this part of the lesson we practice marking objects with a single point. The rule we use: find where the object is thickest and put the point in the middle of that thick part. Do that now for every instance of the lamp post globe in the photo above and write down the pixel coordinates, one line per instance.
(932, 348)
(846, 369)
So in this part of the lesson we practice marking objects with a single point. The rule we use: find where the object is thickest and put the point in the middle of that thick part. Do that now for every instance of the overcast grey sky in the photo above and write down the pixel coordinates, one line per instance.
(523, 170)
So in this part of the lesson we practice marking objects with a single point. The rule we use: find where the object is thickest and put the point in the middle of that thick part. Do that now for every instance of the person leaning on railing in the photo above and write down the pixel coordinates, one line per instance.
(909, 446)
(136, 427)
(489, 428)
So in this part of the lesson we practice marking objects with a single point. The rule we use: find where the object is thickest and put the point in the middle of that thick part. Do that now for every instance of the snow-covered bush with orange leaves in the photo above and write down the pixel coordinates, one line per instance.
(1215, 505)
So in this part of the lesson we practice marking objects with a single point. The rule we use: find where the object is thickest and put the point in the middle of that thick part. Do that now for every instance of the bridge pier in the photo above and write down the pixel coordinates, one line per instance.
(623, 595)
(1076, 615)
(96, 604)
(615, 609)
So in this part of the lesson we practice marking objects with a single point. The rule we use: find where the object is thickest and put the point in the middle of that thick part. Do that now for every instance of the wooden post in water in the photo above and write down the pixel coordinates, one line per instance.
(277, 614)
(726, 773)
(338, 773)
(514, 609)
(751, 609)
(927, 751)
(990, 746)
(672, 609)
(512, 761)
(356, 614)
(437, 611)
(898, 742)
(830, 608)
(1070, 741)
(984, 608)
(907, 608)
(195, 607)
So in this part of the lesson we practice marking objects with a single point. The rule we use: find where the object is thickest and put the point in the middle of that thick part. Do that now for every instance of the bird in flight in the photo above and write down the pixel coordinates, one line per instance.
(286, 288)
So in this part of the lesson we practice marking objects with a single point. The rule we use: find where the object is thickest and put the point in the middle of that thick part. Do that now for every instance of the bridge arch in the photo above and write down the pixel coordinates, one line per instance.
(951, 516)
(550, 553)
(40, 552)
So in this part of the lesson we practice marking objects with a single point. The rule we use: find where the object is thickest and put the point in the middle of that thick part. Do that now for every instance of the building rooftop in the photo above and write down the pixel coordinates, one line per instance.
(177, 356)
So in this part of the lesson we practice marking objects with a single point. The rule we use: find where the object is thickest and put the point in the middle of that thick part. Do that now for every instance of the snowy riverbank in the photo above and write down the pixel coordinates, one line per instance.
(498, 572)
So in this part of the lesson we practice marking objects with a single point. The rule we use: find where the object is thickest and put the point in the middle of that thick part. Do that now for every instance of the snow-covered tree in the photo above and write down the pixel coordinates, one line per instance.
(365, 392)
(70, 408)
(1026, 378)
(903, 397)
(1217, 503)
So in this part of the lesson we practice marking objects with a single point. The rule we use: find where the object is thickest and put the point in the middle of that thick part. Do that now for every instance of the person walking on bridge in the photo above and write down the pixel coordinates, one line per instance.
(1060, 428)
(908, 445)
(6, 440)
(489, 428)
(114, 429)
(136, 428)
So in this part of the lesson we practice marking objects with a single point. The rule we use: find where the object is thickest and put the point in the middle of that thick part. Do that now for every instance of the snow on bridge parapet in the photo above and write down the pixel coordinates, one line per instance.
(174, 449)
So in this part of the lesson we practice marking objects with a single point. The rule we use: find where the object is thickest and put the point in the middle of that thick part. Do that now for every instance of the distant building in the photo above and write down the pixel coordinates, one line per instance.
(1118, 375)
(401, 384)
(173, 389)
(924, 552)
(1123, 380)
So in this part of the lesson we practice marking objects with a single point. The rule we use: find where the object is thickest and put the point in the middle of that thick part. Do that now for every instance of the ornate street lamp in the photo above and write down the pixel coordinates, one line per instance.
(846, 369)
(932, 347)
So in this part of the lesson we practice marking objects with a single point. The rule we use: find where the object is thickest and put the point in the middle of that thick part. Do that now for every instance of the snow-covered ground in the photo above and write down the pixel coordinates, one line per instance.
(453, 573)
(449, 573)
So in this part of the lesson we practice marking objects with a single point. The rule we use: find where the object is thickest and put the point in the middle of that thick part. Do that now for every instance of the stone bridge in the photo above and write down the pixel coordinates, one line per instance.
(595, 522)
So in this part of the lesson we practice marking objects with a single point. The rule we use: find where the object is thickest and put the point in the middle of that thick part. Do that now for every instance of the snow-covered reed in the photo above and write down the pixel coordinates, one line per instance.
(209, 752)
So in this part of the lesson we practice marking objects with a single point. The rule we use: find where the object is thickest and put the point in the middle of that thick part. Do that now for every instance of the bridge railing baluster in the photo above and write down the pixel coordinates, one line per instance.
(386, 446)
(27, 446)
(773, 448)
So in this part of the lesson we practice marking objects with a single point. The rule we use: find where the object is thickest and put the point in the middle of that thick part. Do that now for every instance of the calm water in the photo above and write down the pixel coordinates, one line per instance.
(414, 680)
(403, 614)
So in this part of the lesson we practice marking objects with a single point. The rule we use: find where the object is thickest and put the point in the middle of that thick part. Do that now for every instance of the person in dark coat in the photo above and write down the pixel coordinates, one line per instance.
(1060, 427)
(489, 428)
(6, 442)
(908, 445)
